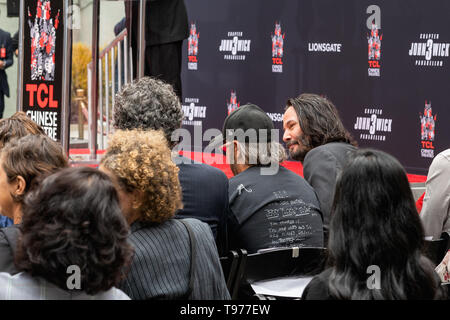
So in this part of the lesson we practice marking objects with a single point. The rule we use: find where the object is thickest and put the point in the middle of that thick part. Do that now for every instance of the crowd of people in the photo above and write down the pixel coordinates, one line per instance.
(152, 224)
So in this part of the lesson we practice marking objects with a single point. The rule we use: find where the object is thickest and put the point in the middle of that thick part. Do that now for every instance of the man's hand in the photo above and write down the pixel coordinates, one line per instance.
(2, 64)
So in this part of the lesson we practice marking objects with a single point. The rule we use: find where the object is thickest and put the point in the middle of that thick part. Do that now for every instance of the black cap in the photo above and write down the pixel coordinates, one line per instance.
(248, 116)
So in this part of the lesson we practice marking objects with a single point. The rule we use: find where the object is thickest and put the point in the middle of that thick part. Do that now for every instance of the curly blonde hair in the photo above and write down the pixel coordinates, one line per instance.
(141, 160)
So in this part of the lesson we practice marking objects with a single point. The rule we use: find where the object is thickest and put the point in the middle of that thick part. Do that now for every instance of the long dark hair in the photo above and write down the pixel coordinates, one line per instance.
(375, 222)
(319, 120)
(73, 218)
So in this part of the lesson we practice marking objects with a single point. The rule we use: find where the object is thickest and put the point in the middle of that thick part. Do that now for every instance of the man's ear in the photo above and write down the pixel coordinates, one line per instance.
(19, 186)
(235, 152)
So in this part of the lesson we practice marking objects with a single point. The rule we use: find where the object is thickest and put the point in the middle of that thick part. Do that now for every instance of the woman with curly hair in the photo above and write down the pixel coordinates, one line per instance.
(174, 258)
(375, 226)
(22, 162)
(74, 240)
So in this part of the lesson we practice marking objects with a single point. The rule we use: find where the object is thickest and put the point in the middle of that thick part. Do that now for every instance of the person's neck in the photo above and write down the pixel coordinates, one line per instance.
(17, 214)
(132, 218)
(239, 168)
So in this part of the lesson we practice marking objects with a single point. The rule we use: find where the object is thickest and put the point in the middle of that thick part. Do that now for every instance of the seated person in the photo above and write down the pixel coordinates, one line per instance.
(376, 237)
(270, 205)
(174, 258)
(435, 214)
(18, 125)
(316, 136)
(151, 104)
(22, 162)
(73, 242)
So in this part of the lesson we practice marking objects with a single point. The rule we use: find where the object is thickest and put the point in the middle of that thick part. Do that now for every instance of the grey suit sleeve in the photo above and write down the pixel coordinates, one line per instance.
(436, 203)
(320, 169)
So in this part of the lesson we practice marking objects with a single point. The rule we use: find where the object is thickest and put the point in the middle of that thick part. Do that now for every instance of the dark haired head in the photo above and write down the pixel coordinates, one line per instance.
(17, 126)
(375, 222)
(73, 218)
(30, 157)
(319, 122)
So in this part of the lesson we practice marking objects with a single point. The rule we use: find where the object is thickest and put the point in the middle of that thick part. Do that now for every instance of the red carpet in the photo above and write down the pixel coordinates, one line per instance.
(220, 163)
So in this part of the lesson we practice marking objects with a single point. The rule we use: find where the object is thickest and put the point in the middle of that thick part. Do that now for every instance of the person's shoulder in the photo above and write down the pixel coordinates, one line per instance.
(112, 294)
(333, 150)
(334, 147)
(198, 227)
(443, 156)
(5, 34)
(317, 289)
(186, 164)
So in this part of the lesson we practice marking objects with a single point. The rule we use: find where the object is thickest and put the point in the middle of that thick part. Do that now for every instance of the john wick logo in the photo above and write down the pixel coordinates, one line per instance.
(193, 47)
(194, 114)
(373, 125)
(277, 49)
(234, 46)
(43, 39)
(429, 52)
(232, 104)
(427, 128)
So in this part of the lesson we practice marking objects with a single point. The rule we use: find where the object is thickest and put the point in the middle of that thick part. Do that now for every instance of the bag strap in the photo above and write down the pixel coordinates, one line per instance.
(193, 255)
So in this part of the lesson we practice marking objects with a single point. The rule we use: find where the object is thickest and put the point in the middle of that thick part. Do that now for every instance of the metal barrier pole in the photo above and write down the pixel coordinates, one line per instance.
(113, 81)
(125, 59)
(20, 66)
(94, 80)
(119, 61)
(100, 102)
(141, 53)
(106, 96)
(65, 105)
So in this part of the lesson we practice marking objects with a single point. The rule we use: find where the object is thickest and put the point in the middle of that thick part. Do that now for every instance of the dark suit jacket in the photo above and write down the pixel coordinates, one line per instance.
(166, 21)
(205, 197)
(321, 167)
(6, 42)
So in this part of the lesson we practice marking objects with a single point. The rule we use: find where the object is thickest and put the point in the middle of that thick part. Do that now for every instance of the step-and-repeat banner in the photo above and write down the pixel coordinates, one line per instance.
(384, 64)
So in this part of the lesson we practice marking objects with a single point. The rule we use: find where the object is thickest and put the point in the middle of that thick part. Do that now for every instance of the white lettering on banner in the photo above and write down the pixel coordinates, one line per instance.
(275, 117)
(427, 153)
(429, 50)
(192, 111)
(234, 46)
(47, 120)
(374, 72)
(325, 47)
(277, 68)
(373, 124)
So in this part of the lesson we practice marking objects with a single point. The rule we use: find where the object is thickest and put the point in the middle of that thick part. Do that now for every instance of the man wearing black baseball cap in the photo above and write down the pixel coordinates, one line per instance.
(264, 196)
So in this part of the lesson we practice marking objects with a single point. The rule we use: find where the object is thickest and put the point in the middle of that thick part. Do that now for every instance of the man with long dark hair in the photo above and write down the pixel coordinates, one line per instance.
(315, 135)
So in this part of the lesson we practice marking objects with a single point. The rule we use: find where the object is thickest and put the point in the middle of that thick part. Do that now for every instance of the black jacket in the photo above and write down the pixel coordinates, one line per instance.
(6, 43)
(205, 197)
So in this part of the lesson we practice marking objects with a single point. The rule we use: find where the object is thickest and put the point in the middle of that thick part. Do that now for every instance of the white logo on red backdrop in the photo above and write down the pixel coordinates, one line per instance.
(277, 48)
(374, 45)
(193, 47)
(427, 128)
(233, 104)
(43, 39)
